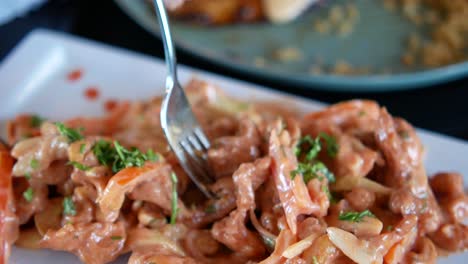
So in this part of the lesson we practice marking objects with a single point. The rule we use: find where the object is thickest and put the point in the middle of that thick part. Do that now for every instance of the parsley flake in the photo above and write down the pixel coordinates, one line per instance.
(70, 133)
(115, 238)
(36, 121)
(79, 166)
(118, 157)
(313, 168)
(332, 146)
(130, 158)
(210, 209)
(104, 152)
(389, 228)
(151, 155)
(314, 147)
(320, 169)
(69, 206)
(355, 216)
(34, 164)
(28, 194)
(174, 205)
(311, 171)
(27, 175)
(326, 190)
(306, 171)
(82, 148)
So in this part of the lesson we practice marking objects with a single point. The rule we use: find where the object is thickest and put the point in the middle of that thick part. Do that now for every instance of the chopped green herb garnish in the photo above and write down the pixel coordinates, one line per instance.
(313, 168)
(82, 148)
(28, 194)
(79, 165)
(116, 237)
(320, 169)
(175, 208)
(36, 121)
(27, 175)
(302, 168)
(210, 209)
(72, 134)
(332, 146)
(69, 206)
(130, 158)
(313, 148)
(314, 260)
(34, 164)
(310, 171)
(389, 228)
(104, 152)
(119, 157)
(355, 216)
(329, 194)
(151, 156)
(362, 113)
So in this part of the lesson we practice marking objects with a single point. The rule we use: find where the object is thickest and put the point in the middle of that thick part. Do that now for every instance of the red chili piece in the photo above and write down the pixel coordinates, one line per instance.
(75, 75)
(92, 93)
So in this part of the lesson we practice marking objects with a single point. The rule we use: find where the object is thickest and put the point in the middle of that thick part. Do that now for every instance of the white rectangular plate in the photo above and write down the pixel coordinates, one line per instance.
(33, 79)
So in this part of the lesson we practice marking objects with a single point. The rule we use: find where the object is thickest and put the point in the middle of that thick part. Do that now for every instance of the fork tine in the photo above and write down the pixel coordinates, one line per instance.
(201, 137)
(195, 142)
(190, 171)
(175, 122)
(196, 161)
(199, 169)
(201, 155)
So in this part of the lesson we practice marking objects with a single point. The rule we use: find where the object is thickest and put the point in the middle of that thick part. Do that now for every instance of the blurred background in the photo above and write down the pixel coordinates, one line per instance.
(299, 68)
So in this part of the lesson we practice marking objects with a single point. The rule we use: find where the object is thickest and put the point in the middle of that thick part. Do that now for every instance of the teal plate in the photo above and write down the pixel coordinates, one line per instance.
(377, 43)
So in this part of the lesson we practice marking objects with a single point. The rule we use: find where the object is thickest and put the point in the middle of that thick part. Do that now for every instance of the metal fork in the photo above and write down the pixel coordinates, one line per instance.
(178, 122)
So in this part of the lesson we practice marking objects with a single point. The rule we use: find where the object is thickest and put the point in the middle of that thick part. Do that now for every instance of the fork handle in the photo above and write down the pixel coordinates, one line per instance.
(169, 50)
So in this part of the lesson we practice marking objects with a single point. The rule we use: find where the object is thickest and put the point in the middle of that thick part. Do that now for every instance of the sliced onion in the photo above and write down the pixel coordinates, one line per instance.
(155, 256)
(147, 238)
(297, 248)
(348, 183)
(321, 251)
(284, 240)
(368, 226)
(357, 250)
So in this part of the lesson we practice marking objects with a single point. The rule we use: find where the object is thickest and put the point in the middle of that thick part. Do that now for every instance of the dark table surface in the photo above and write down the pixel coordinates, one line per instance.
(442, 108)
